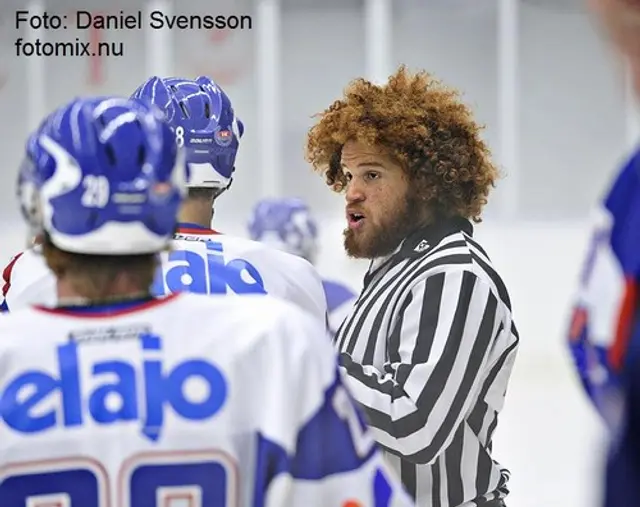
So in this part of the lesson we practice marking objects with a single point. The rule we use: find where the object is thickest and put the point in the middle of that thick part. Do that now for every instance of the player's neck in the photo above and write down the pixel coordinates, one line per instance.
(121, 289)
(196, 211)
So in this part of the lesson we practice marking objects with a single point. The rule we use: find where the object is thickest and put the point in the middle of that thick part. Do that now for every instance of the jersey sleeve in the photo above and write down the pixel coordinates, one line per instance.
(331, 458)
(26, 281)
(340, 301)
(6, 281)
(595, 318)
(306, 289)
(438, 349)
(606, 299)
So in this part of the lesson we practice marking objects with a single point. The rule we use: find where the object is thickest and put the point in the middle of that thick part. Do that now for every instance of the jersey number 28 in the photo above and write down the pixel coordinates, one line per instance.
(166, 479)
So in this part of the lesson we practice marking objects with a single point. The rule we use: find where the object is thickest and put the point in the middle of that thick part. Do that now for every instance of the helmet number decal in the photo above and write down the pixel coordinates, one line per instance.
(180, 136)
(96, 193)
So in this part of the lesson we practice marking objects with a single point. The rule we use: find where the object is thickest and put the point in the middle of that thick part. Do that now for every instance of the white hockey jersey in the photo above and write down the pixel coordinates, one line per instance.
(187, 400)
(27, 280)
(205, 261)
(201, 261)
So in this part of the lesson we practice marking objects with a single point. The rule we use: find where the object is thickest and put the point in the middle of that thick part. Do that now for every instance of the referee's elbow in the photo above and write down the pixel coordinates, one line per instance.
(411, 438)
(424, 456)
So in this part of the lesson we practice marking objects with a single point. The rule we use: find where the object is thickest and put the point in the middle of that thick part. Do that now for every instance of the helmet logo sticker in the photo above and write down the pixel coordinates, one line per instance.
(223, 137)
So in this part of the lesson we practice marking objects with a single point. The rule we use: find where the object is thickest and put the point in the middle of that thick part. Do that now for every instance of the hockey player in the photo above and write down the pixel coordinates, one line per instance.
(205, 123)
(288, 224)
(116, 398)
(604, 332)
(201, 259)
(601, 311)
(612, 299)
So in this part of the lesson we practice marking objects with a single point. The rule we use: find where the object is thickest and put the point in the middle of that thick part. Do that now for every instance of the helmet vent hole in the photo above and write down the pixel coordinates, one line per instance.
(207, 110)
(141, 155)
(93, 218)
(183, 108)
(111, 155)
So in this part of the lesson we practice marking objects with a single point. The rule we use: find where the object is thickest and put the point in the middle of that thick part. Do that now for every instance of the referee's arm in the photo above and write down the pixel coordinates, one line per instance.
(439, 344)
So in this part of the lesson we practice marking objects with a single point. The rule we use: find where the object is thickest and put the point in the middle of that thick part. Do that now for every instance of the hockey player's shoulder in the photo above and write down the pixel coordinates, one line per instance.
(248, 307)
(294, 261)
(28, 263)
(278, 260)
(253, 315)
(249, 245)
(293, 266)
(7, 270)
(21, 324)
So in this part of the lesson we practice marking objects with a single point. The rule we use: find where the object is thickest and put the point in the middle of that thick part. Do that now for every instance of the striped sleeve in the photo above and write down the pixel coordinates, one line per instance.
(437, 348)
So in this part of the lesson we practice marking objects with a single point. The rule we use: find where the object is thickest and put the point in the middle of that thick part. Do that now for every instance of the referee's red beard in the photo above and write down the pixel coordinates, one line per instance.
(381, 232)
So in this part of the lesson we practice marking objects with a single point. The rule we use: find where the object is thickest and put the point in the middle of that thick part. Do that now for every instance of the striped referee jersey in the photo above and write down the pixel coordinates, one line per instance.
(428, 349)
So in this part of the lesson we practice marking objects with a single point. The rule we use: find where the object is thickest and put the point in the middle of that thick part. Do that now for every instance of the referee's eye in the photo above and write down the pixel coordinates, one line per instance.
(372, 175)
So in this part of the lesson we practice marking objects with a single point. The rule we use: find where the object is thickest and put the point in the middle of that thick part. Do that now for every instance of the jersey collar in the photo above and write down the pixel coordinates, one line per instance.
(417, 243)
(108, 309)
(192, 228)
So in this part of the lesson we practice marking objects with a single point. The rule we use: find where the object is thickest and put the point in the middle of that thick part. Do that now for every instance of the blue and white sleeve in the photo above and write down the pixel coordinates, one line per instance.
(333, 460)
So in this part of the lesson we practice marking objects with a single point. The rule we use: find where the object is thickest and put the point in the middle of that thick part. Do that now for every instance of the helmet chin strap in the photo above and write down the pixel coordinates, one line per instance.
(222, 190)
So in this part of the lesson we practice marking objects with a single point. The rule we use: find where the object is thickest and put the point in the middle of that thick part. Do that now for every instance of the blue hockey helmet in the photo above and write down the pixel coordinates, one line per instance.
(103, 175)
(205, 123)
(286, 224)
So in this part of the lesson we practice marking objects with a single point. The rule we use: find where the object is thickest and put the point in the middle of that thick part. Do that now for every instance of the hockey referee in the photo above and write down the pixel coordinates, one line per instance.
(430, 343)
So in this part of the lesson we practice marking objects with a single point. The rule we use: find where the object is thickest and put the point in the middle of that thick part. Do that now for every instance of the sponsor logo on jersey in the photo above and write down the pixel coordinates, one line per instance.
(190, 271)
(112, 391)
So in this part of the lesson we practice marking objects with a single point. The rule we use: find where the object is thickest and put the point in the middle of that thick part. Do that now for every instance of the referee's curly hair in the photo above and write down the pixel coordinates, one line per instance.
(424, 126)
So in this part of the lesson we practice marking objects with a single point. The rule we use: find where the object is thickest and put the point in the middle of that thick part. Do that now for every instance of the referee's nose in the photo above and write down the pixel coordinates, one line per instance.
(354, 191)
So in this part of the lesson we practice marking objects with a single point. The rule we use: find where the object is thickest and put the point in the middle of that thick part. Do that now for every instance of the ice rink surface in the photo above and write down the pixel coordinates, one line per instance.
(548, 435)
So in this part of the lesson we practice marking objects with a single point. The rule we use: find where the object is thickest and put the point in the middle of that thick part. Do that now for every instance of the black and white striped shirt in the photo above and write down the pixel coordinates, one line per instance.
(428, 349)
